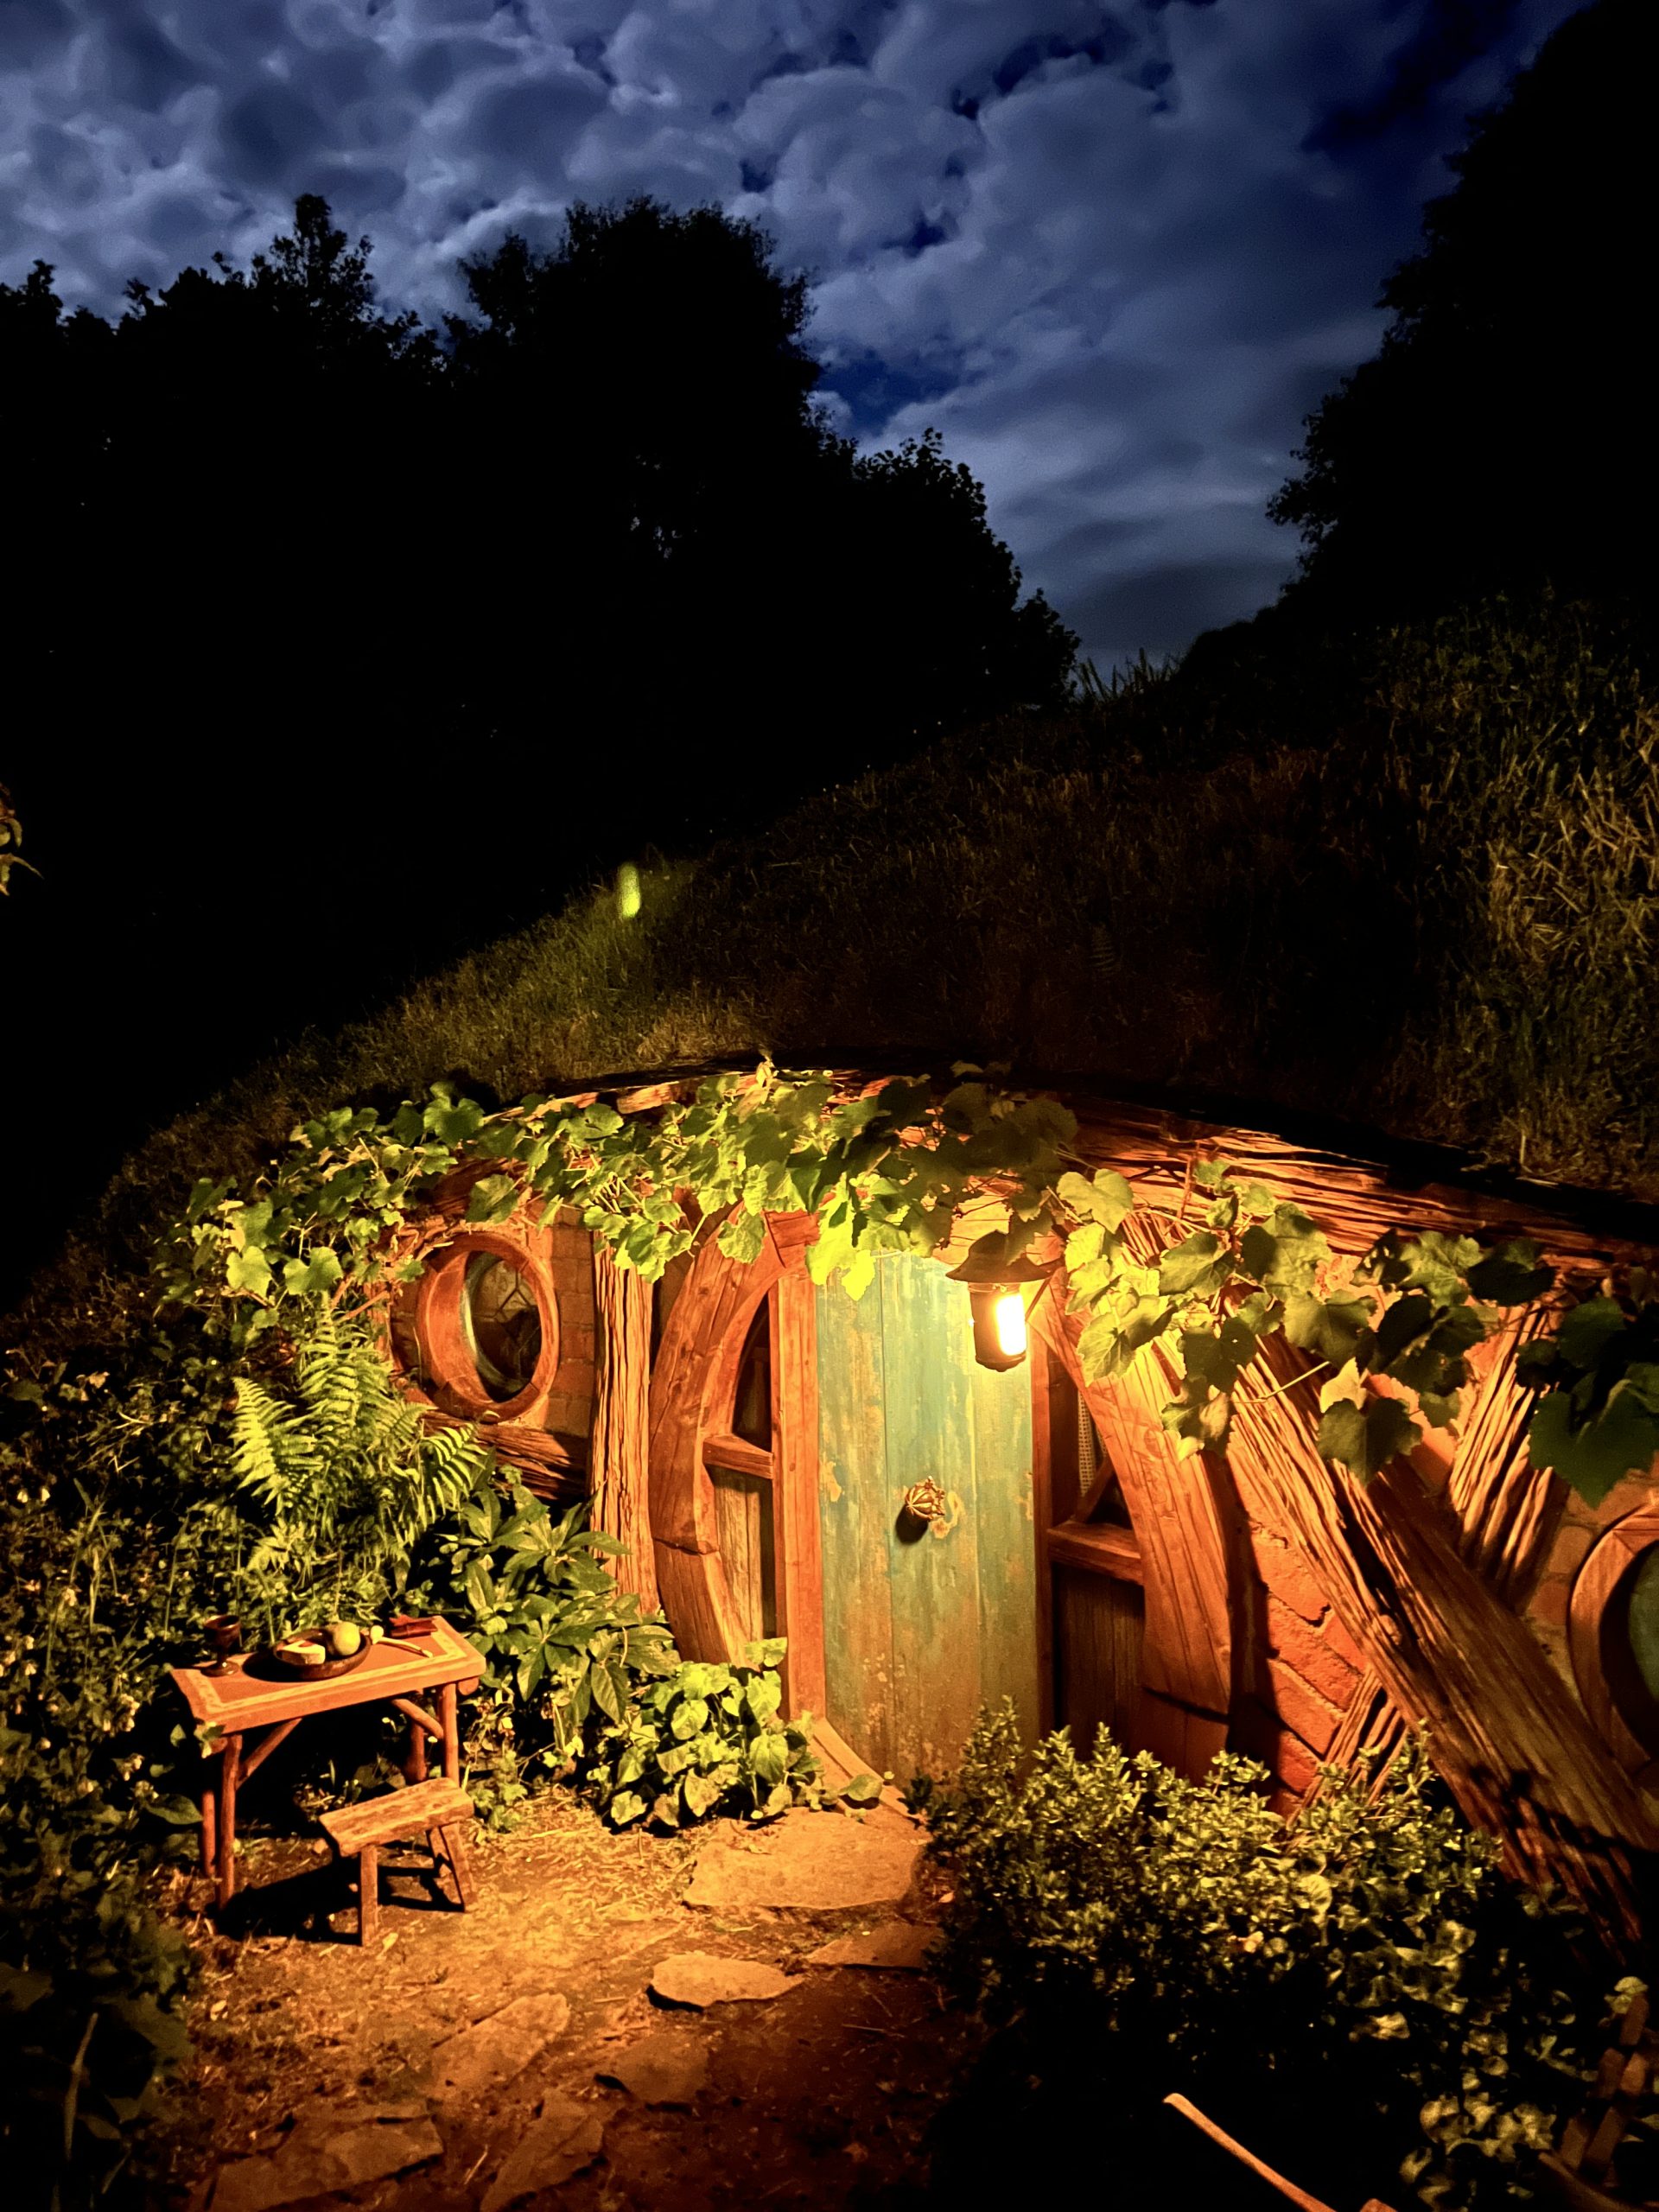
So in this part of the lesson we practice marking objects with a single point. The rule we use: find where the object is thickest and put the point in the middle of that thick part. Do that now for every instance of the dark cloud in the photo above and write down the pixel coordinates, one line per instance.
(1113, 252)
(1449, 35)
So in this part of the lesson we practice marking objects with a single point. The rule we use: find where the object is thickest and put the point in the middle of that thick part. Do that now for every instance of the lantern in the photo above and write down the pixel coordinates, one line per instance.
(997, 1299)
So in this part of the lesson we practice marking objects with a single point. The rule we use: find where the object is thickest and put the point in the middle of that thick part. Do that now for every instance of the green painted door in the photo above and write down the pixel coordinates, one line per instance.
(919, 1630)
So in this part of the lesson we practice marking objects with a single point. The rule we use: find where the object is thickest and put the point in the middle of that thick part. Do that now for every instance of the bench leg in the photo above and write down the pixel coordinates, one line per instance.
(445, 1844)
(368, 1893)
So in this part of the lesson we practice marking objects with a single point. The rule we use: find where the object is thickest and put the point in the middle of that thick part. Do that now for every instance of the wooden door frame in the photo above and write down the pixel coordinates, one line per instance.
(691, 1384)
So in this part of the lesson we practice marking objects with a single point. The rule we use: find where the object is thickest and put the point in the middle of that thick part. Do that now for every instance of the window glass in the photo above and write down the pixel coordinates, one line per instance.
(1091, 1456)
(752, 1406)
(500, 1325)
(1642, 1626)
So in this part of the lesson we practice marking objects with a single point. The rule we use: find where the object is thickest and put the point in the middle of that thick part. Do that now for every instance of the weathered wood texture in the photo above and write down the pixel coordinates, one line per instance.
(701, 1341)
(799, 1555)
(398, 1815)
(620, 1447)
(1187, 1649)
(1099, 1621)
(1505, 1732)
(921, 1630)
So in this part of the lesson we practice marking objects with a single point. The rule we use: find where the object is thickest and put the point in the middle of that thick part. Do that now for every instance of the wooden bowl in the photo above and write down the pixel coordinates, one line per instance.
(312, 1670)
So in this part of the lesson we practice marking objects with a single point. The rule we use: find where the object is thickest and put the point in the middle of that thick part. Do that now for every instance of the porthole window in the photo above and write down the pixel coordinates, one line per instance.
(486, 1328)
(1614, 1636)
(500, 1325)
(1629, 1648)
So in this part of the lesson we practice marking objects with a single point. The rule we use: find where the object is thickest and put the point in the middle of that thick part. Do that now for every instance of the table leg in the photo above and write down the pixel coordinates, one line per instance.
(230, 1765)
(414, 1759)
(447, 1702)
(209, 1824)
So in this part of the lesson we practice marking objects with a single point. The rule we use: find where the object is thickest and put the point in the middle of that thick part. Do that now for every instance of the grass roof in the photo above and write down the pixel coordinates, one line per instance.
(1412, 881)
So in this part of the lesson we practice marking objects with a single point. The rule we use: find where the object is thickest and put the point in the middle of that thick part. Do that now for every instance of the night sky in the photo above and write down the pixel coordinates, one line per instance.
(1113, 255)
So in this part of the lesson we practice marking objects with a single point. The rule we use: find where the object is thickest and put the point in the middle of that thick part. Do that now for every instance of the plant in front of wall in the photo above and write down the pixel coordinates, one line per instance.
(1216, 1271)
(563, 1648)
(707, 1739)
(338, 1477)
(1180, 1933)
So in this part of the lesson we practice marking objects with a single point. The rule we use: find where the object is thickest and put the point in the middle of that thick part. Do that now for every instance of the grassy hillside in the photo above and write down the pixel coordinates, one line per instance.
(1412, 881)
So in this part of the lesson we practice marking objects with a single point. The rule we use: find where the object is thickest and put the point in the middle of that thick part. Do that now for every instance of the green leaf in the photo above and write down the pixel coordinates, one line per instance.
(1365, 1438)
(863, 1789)
(492, 1198)
(1329, 1327)
(1511, 1273)
(1588, 1330)
(1194, 1267)
(304, 1278)
(741, 1236)
(690, 1717)
(702, 1792)
(626, 1805)
(769, 1757)
(1623, 1440)
(1105, 1198)
(1285, 1253)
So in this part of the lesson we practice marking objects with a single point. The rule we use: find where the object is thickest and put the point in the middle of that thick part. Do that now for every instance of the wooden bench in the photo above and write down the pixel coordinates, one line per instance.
(358, 1831)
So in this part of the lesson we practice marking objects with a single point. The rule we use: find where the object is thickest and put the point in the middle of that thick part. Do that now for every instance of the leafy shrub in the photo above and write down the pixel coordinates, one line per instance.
(707, 1739)
(1182, 1931)
(345, 1475)
(561, 1644)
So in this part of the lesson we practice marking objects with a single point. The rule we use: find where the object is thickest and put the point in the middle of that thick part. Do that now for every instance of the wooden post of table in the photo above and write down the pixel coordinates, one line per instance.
(209, 1822)
(415, 1761)
(230, 1764)
(451, 1733)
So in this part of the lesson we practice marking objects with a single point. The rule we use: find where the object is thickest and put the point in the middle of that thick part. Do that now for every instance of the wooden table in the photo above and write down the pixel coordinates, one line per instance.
(240, 1702)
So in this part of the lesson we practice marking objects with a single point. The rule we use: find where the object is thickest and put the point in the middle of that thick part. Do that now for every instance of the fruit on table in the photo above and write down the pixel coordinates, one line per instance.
(344, 1639)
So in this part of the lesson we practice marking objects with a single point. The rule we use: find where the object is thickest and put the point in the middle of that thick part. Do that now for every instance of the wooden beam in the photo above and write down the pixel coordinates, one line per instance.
(1099, 1548)
(796, 1528)
(621, 1482)
(733, 1455)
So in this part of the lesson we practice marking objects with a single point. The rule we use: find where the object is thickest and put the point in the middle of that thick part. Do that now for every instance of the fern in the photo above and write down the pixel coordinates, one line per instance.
(345, 1478)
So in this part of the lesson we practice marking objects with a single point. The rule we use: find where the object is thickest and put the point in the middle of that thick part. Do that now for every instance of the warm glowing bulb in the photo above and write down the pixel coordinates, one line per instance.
(627, 891)
(1010, 1323)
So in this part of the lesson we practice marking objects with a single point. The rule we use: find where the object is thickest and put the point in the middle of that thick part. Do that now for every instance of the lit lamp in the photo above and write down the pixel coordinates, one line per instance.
(997, 1300)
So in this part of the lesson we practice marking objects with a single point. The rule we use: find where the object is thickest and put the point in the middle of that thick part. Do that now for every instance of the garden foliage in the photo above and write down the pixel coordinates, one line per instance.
(1188, 1936)
(711, 1736)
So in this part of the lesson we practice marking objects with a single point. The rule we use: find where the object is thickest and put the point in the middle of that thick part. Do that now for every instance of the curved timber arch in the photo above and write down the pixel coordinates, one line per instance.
(691, 1386)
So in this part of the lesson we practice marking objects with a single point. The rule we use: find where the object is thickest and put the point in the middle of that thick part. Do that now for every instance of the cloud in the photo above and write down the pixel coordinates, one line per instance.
(1113, 252)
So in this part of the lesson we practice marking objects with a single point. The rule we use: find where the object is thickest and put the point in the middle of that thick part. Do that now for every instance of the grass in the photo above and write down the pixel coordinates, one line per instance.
(1411, 879)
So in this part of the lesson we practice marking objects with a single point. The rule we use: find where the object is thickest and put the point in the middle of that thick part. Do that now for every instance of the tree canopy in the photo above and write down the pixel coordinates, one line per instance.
(341, 643)
(1502, 437)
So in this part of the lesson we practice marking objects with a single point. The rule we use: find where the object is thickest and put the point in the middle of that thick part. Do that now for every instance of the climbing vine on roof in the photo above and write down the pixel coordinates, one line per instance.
(887, 1168)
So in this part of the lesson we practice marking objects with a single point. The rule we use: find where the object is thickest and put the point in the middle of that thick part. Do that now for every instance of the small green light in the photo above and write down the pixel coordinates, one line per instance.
(627, 891)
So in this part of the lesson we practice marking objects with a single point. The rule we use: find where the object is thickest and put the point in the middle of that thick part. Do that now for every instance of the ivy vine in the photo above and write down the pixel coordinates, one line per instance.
(888, 1168)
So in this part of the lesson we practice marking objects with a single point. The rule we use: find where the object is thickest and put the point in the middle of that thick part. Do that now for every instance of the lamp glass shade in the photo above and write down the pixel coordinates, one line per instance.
(1010, 1312)
(999, 1313)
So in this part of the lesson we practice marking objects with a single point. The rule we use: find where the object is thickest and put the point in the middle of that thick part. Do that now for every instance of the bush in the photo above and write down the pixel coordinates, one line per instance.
(1184, 1933)
(709, 1739)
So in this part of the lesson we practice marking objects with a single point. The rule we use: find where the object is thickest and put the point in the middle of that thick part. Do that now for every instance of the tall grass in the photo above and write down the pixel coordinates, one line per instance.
(1409, 878)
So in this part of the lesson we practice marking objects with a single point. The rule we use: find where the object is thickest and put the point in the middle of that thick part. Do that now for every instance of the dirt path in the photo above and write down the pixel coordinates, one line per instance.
(478, 2059)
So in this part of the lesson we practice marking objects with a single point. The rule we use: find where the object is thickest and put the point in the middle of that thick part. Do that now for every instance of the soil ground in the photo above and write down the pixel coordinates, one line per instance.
(854, 2086)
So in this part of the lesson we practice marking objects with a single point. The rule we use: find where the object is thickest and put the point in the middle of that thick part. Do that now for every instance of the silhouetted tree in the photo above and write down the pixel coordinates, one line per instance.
(339, 644)
(1502, 437)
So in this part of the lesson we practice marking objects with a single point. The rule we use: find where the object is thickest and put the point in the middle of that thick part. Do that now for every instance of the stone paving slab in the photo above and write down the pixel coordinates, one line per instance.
(902, 1946)
(564, 2138)
(700, 1978)
(332, 2147)
(667, 2067)
(496, 2049)
(809, 1862)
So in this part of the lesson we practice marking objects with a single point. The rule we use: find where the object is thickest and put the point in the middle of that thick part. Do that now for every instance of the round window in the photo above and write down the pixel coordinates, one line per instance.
(500, 1325)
